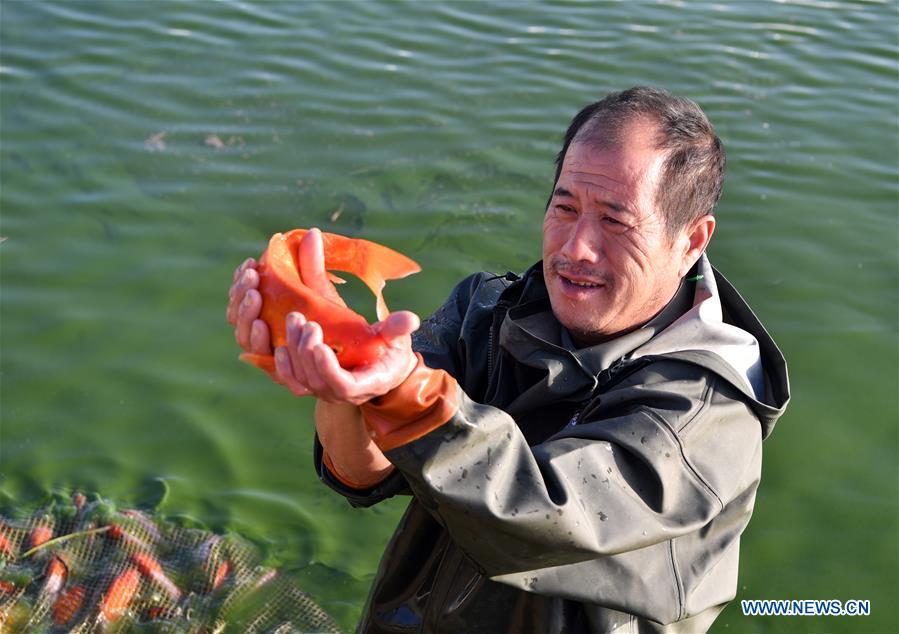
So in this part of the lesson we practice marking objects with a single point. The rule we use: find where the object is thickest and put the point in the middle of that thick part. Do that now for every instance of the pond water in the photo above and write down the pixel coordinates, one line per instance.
(148, 148)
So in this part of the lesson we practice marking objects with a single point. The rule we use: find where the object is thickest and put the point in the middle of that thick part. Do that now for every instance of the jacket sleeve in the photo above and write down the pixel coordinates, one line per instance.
(437, 342)
(394, 484)
(592, 514)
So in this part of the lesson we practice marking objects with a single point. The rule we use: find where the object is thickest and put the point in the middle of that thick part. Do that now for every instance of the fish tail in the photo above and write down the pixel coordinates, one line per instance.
(372, 263)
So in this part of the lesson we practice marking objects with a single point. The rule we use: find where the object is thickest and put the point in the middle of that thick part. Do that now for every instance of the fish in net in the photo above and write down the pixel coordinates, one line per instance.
(82, 566)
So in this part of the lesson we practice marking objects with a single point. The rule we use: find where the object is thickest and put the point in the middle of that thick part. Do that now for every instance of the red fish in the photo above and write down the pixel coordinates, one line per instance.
(6, 548)
(151, 568)
(351, 337)
(68, 604)
(39, 534)
(118, 533)
(56, 576)
(120, 594)
(221, 573)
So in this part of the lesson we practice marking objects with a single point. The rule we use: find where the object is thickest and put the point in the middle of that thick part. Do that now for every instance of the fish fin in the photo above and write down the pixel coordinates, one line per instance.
(381, 306)
(264, 362)
(372, 263)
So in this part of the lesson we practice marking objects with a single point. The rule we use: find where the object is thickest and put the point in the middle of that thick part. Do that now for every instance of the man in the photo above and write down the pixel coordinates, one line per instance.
(582, 443)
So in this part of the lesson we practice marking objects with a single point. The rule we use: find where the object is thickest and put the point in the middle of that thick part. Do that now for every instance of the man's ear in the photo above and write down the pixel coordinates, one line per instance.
(697, 239)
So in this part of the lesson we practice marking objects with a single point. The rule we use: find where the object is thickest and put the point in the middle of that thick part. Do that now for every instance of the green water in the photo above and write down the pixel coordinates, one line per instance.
(148, 147)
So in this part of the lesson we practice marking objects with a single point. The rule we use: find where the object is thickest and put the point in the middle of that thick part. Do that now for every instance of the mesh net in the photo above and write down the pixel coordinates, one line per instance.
(85, 567)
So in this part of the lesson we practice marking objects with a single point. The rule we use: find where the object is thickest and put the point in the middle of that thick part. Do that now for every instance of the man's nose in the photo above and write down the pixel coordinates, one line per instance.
(583, 243)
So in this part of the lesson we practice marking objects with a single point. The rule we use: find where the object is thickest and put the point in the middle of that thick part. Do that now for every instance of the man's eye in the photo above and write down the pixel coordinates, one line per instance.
(612, 221)
(565, 208)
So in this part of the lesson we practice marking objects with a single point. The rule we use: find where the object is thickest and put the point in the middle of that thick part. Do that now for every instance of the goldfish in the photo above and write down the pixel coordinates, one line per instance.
(150, 567)
(68, 604)
(221, 573)
(354, 341)
(56, 576)
(120, 594)
(118, 533)
(6, 548)
(39, 534)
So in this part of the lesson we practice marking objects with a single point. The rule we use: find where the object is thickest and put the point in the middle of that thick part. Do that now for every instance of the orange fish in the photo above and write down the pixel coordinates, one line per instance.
(151, 568)
(351, 337)
(39, 534)
(120, 594)
(56, 576)
(221, 573)
(6, 548)
(68, 604)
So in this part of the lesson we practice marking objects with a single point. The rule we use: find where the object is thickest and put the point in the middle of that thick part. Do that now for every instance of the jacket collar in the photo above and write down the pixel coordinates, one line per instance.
(531, 334)
(707, 323)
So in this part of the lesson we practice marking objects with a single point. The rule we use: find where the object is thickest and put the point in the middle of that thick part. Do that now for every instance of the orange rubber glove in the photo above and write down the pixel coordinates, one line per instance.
(423, 402)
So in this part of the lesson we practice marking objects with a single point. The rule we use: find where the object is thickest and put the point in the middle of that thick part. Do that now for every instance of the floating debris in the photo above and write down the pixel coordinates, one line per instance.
(213, 140)
(155, 142)
(336, 214)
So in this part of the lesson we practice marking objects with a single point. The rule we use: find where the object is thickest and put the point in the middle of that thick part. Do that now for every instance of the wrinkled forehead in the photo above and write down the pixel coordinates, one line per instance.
(629, 171)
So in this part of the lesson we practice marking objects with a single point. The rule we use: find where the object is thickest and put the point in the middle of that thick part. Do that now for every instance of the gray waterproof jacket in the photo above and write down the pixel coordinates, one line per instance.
(578, 490)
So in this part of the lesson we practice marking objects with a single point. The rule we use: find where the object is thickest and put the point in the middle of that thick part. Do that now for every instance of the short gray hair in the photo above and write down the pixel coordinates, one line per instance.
(693, 171)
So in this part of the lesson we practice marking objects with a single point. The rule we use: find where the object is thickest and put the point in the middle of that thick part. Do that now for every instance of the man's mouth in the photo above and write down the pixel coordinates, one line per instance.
(579, 282)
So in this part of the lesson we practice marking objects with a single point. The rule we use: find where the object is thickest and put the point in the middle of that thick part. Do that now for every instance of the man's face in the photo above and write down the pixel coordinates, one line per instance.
(608, 263)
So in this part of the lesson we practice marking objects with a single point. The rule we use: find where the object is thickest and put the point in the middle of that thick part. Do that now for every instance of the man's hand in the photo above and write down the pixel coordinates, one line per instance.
(308, 367)
(245, 302)
(244, 306)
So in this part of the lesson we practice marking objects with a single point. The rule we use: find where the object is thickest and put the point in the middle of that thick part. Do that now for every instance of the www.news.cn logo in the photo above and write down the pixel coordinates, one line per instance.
(805, 607)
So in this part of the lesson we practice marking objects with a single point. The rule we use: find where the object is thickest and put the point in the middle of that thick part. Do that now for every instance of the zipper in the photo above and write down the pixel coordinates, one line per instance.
(604, 380)
(490, 354)
(574, 417)
(500, 309)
